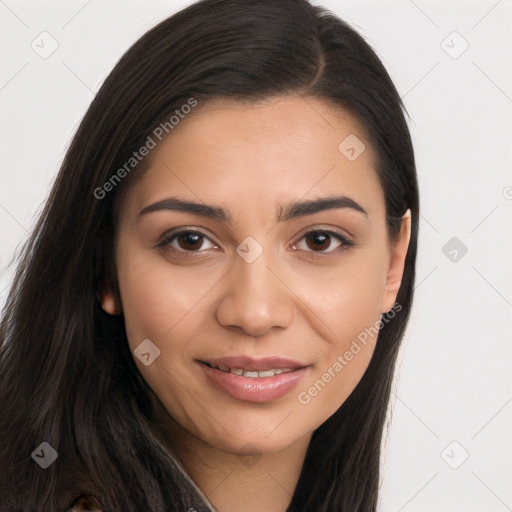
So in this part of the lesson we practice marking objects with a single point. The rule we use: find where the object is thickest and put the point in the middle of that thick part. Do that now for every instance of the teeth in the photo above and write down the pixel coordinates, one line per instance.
(271, 372)
(266, 373)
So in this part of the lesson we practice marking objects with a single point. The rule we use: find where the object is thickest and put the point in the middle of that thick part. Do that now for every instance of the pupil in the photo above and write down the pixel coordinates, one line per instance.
(190, 241)
(321, 240)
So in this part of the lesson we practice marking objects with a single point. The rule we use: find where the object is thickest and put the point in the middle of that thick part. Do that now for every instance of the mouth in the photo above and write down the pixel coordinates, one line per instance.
(251, 374)
(254, 380)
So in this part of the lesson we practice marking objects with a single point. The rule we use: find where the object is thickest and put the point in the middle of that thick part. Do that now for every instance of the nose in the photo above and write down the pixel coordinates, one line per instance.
(255, 298)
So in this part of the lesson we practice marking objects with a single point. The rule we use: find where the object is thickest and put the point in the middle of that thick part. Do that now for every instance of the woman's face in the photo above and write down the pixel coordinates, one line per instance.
(255, 243)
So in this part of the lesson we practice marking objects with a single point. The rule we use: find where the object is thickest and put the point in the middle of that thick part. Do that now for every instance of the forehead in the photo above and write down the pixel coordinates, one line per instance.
(275, 151)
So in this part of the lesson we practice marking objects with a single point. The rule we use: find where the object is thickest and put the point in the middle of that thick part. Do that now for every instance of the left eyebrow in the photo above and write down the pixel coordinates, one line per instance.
(290, 211)
(300, 209)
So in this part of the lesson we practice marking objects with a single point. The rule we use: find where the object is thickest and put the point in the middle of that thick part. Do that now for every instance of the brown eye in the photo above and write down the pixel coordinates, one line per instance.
(187, 241)
(323, 242)
(318, 240)
(190, 241)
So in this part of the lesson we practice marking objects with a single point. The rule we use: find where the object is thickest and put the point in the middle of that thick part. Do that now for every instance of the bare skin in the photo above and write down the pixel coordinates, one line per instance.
(304, 298)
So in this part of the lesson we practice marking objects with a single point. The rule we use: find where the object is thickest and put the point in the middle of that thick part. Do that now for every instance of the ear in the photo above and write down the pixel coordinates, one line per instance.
(110, 301)
(396, 264)
(107, 289)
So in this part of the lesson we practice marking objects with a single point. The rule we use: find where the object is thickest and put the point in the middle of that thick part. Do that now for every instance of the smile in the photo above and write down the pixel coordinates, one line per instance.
(271, 372)
(254, 380)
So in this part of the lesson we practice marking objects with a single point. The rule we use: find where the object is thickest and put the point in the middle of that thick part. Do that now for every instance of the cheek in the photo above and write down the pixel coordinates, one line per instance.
(356, 305)
(163, 306)
(156, 300)
(348, 301)
(346, 298)
(168, 306)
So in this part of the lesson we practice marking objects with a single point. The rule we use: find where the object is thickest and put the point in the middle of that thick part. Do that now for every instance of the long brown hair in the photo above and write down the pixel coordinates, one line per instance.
(67, 375)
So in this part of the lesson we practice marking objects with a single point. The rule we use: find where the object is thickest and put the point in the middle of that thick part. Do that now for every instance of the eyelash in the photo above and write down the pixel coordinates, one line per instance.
(345, 242)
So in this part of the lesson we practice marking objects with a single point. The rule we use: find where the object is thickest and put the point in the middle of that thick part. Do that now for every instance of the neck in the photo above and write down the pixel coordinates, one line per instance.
(252, 481)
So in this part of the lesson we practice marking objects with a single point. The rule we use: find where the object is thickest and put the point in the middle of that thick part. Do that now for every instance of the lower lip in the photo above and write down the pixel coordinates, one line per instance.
(254, 389)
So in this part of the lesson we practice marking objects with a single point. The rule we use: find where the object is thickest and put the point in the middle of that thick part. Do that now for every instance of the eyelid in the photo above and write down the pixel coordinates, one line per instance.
(168, 235)
(344, 237)
(346, 241)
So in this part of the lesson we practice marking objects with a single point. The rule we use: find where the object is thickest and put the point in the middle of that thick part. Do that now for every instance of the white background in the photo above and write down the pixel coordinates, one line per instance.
(455, 371)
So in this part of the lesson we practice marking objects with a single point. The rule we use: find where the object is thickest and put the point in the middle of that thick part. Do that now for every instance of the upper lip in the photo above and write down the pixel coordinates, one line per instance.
(255, 364)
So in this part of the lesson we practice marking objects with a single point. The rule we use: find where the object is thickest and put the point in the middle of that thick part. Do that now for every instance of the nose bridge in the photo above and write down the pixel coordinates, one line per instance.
(255, 277)
(255, 299)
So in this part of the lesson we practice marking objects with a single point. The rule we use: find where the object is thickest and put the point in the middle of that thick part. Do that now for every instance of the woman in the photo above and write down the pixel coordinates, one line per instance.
(208, 312)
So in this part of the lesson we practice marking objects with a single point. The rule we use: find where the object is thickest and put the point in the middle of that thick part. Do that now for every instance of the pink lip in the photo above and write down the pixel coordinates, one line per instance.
(260, 389)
